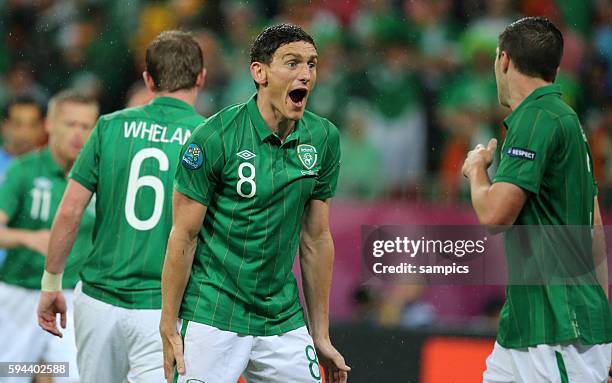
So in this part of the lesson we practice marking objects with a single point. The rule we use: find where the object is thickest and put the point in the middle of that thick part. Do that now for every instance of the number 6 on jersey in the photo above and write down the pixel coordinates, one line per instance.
(135, 182)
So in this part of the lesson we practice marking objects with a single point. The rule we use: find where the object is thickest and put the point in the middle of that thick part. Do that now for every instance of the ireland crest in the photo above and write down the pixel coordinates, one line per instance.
(307, 155)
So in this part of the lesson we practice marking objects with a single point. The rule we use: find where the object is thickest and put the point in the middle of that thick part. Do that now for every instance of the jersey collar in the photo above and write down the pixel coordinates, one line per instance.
(552, 89)
(171, 101)
(262, 129)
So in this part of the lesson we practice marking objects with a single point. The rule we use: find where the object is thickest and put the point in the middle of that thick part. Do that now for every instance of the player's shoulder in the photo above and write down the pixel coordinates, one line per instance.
(119, 117)
(318, 126)
(221, 122)
(26, 164)
(148, 113)
(550, 108)
(31, 159)
(550, 116)
(124, 114)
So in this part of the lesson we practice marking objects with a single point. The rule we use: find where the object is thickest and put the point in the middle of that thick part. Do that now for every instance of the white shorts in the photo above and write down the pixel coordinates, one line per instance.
(573, 363)
(217, 356)
(22, 339)
(116, 344)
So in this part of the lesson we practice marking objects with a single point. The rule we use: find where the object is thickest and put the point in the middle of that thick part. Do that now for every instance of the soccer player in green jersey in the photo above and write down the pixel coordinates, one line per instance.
(129, 162)
(22, 131)
(29, 199)
(548, 332)
(254, 183)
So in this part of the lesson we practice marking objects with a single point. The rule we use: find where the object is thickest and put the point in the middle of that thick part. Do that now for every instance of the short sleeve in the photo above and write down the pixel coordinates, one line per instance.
(86, 168)
(330, 168)
(11, 190)
(527, 150)
(200, 164)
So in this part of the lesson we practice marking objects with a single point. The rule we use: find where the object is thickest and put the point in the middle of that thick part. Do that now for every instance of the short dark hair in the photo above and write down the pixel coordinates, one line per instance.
(24, 99)
(535, 46)
(174, 61)
(271, 38)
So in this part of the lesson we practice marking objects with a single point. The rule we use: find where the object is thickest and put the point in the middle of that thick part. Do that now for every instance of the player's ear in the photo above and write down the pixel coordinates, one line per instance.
(258, 71)
(504, 61)
(200, 80)
(148, 80)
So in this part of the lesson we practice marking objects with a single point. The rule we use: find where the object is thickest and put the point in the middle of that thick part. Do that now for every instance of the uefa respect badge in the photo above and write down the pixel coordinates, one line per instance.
(193, 158)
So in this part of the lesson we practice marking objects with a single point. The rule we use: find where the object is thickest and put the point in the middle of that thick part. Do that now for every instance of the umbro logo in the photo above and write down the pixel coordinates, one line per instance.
(245, 154)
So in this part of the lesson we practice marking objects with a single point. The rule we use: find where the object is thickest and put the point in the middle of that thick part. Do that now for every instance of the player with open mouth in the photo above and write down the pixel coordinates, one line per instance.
(298, 97)
(254, 186)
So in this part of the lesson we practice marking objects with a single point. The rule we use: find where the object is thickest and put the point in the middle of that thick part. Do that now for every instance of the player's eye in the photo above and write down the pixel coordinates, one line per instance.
(312, 65)
(292, 64)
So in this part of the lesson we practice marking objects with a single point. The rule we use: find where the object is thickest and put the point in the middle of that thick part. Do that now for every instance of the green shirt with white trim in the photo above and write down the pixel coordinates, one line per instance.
(129, 161)
(546, 154)
(30, 196)
(256, 189)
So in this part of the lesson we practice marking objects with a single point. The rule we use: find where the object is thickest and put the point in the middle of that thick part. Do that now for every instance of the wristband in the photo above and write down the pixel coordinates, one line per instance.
(51, 282)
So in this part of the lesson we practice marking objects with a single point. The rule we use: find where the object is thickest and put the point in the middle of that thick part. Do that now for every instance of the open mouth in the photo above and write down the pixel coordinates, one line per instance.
(298, 96)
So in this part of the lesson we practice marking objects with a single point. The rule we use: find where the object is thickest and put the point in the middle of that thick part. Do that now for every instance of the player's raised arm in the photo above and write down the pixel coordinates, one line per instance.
(187, 218)
(316, 262)
(63, 234)
(496, 205)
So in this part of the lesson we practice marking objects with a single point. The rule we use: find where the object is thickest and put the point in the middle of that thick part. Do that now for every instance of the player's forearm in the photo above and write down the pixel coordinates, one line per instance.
(601, 271)
(12, 238)
(479, 192)
(487, 207)
(600, 259)
(63, 234)
(175, 275)
(316, 262)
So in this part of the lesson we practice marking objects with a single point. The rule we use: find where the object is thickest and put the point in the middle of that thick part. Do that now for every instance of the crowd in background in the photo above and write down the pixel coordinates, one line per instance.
(409, 83)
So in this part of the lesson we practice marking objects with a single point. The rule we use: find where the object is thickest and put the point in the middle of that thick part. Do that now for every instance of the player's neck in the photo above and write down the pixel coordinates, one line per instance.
(186, 95)
(522, 86)
(63, 162)
(277, 123)
(12, 150)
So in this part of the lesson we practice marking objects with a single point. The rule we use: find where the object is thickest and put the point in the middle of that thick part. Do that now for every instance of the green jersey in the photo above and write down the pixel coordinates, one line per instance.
(256, 189)
(30, 196)
(129, 162)
(546, 154)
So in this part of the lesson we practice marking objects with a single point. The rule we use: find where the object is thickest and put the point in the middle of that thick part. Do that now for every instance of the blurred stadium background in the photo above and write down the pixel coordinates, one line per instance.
(409, 83)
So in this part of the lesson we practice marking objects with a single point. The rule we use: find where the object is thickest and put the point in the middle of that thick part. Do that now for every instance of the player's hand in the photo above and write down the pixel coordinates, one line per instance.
(480, 157)
(38, 241)
(50, 304)
(173, 349)
(336, 370)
